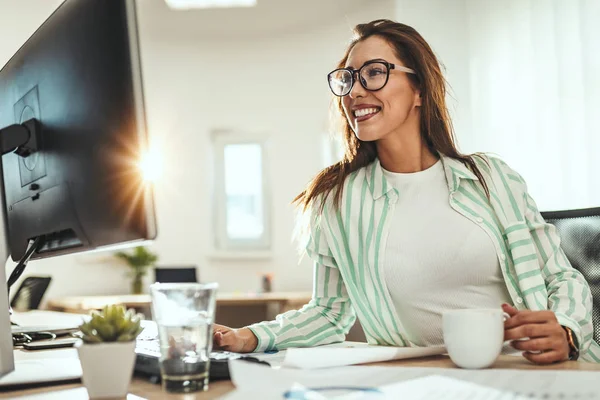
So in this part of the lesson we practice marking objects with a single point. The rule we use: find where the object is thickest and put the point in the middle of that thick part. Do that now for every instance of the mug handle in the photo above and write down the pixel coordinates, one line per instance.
(505, 315)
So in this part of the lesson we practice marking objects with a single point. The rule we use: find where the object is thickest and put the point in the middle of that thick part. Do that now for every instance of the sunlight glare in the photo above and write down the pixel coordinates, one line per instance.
(151, 165)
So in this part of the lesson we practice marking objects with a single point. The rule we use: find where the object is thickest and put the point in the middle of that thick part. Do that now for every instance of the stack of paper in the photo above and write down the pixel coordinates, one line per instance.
(351, 354)
(409, 383)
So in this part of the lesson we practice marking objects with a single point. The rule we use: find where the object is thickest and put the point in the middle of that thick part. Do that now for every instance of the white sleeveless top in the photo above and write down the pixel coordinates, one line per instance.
(436, 259)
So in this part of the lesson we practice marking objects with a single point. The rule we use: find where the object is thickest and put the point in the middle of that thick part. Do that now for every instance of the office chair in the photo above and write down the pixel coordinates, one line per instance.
(30, 293)
(175, 274)
(580, 239)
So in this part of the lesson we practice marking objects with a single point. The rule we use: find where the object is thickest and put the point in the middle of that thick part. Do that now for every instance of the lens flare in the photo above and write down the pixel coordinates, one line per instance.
(151, 165)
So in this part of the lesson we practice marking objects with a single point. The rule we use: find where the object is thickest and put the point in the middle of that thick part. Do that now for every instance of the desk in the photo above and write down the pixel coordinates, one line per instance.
(233, 309)
(147, 390)
(284, 300)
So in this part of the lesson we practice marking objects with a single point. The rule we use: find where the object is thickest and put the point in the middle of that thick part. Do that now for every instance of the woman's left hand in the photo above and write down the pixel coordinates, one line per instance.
(546, 339)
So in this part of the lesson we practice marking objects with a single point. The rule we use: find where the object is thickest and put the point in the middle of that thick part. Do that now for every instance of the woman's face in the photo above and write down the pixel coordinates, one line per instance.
(387, 110)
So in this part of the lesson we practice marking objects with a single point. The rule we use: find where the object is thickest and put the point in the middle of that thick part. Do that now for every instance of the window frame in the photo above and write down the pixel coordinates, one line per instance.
(221, 241)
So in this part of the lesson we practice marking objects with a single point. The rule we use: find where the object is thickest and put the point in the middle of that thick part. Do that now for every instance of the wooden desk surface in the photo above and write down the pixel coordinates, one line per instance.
(85, 303)
(147, 390)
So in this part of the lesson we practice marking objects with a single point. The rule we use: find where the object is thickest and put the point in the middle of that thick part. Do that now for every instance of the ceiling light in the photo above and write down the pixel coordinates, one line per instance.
(190, 4)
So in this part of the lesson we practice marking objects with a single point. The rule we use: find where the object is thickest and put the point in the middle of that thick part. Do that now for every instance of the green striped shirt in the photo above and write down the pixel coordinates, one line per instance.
(347, 245)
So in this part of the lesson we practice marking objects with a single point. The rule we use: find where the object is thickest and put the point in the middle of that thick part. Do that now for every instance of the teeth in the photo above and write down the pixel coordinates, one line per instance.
(365, 111)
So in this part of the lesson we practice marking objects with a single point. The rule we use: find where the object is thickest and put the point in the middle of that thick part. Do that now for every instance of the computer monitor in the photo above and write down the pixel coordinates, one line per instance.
(71, 108)
(175, 274)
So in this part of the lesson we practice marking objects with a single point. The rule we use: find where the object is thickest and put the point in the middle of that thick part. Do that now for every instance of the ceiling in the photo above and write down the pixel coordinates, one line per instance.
(267, 18)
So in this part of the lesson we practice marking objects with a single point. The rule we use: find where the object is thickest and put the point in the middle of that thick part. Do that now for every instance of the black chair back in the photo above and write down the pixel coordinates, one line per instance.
(580, 239)
(30, 293)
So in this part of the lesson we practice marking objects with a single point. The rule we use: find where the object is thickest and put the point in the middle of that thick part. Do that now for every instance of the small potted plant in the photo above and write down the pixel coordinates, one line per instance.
(107, 351)
(140, 261)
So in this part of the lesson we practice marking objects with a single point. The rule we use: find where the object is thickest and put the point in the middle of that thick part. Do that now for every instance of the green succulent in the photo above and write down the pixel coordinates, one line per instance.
(112, 324)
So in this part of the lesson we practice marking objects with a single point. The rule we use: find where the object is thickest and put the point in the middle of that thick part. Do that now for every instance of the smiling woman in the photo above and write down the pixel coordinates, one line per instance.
(405, 228)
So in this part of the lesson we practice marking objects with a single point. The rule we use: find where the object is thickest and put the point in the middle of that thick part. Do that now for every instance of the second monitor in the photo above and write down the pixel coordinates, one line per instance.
(176, 274)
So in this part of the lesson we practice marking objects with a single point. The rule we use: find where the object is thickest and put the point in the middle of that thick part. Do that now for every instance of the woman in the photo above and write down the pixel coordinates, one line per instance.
(405, 227)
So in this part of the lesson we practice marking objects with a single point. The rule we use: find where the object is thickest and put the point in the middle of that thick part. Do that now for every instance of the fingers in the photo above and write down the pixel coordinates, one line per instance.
(529, 317)
(220, 328)
(545, 339)
(221, 339)
(547, 344)
(218, 332)
(529, 331)
(547, 357)
(540, 344)
(227, 341)
(510, 310)
(217, 340)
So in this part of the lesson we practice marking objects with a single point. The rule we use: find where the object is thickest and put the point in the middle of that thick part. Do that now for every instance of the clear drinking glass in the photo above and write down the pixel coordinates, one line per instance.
(184, 315)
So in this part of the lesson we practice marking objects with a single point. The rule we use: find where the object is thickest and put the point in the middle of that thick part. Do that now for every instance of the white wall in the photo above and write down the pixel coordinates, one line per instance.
(443, 24)
(195, 82)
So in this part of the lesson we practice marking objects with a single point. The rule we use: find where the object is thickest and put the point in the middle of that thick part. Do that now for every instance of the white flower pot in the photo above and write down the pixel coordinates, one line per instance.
(107, 367)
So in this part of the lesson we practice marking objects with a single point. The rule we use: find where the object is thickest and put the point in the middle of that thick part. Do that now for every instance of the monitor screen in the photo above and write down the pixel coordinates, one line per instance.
(79, 77)
(175, 274)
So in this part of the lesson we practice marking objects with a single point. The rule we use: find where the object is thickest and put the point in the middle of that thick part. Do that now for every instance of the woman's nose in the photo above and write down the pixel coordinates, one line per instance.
(357, 90)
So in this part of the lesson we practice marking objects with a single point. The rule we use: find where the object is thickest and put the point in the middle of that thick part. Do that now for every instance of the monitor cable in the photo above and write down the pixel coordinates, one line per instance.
(34, 245)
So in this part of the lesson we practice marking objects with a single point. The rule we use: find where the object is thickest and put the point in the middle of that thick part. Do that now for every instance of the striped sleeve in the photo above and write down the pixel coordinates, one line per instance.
(328, 316)
(569, 294)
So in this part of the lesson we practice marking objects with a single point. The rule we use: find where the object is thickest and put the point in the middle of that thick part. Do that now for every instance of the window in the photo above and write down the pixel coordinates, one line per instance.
(241, 193)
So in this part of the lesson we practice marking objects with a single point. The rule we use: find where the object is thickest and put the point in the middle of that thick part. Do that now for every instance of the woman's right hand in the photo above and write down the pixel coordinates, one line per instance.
(235, 340)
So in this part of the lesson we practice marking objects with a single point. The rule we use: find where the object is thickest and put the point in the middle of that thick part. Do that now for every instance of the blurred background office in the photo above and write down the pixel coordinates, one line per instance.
(238, 115)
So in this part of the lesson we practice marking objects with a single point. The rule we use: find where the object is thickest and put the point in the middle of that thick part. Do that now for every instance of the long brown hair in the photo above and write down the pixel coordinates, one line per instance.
(435, 124)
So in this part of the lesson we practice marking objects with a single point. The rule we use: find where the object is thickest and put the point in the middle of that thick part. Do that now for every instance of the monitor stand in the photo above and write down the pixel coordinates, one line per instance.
(7, 363)
(23, 139)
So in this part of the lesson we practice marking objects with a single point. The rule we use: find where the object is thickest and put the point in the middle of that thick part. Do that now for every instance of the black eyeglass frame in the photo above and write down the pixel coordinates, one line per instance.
(353, 72)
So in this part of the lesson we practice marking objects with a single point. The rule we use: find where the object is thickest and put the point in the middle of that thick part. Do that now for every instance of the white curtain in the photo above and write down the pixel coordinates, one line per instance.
(535, 93)
(528, 83)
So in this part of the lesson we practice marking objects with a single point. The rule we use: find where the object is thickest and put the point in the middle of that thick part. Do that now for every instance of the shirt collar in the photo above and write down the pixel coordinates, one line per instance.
(454, 170)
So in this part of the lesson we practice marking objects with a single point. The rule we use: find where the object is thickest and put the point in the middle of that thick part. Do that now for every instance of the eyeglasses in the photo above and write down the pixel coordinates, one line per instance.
(373, 76)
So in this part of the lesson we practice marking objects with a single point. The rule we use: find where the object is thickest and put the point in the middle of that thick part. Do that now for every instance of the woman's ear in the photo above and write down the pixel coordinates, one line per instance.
(417, 99)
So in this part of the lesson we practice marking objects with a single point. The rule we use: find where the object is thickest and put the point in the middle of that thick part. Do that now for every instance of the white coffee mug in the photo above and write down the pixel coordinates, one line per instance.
(474, 337)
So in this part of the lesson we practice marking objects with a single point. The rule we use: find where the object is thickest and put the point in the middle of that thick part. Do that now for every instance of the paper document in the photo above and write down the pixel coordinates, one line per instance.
(251, 378)
(352, 353)
(428, 388)
(275, 360)
(432, 387)
(274, 383)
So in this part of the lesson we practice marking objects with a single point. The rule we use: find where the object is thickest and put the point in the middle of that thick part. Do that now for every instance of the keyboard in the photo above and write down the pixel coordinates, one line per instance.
(148, 354)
